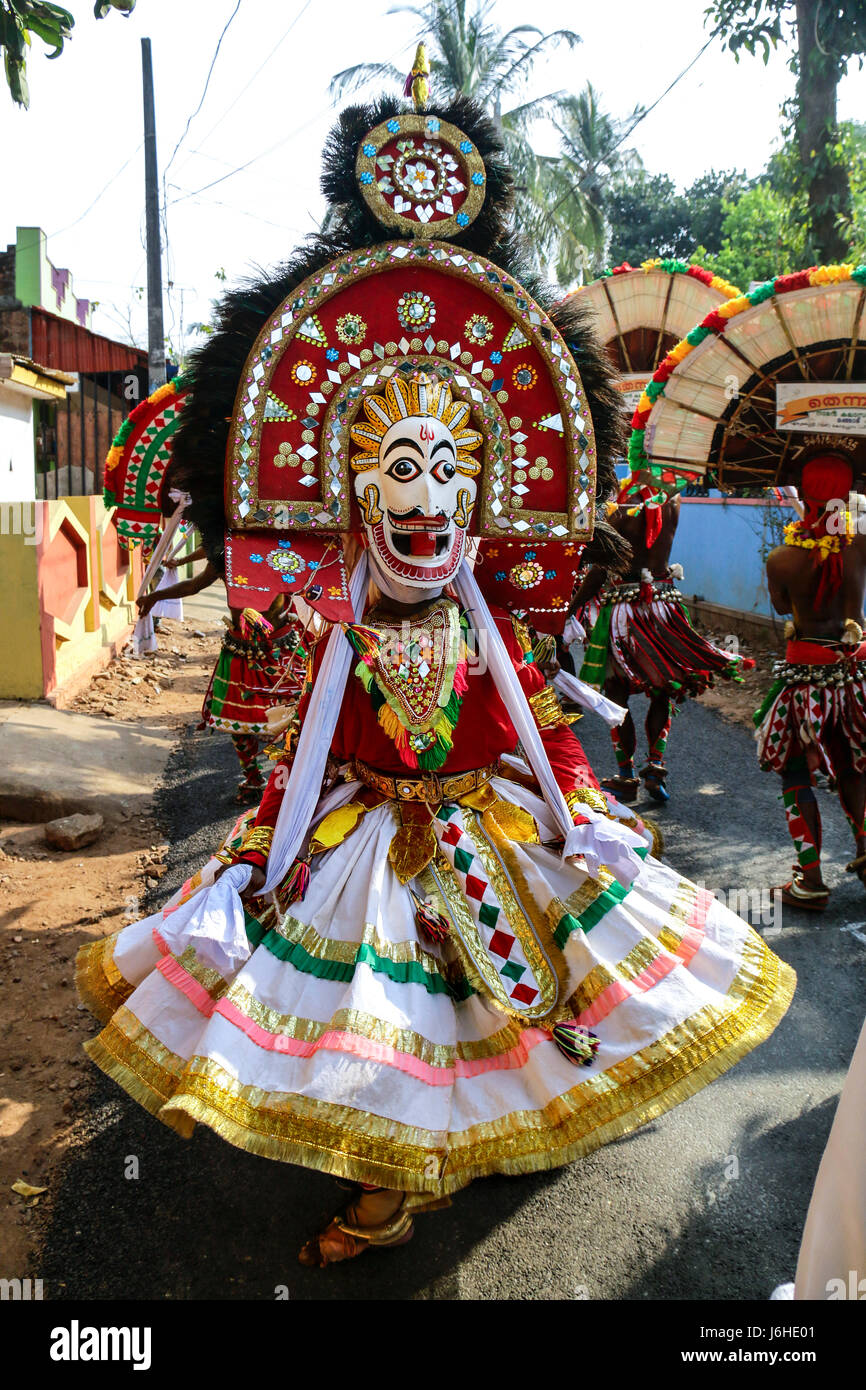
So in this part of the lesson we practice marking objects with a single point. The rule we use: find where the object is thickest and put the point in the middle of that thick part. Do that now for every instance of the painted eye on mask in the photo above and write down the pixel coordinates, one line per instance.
(404, 470)
(444, 470)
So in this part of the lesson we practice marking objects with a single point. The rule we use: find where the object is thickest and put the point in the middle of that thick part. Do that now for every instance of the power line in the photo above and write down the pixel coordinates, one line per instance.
(292, 134)
(91, 206)
(204, 92)
(602, 159)
(190, 119)
(246, 88)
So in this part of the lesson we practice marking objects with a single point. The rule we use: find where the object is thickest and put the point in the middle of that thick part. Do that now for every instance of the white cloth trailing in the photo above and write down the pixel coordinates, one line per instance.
(212, 922)
(308, 769)
(601, 843)
(582, 694)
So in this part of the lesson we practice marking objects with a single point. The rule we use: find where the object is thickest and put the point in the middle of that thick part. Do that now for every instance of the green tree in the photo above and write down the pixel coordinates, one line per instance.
(566, 216)
(708, 199)
(20, 20)
(827, 36)
(470, 54)
(647, 217)
(762, 237)
(853, 140)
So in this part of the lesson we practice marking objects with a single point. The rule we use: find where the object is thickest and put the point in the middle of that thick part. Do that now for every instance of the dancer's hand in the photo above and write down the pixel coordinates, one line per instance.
(255, 885)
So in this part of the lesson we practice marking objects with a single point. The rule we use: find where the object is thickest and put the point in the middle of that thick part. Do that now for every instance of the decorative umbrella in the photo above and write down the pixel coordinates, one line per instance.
(137, 460)
(736, 397)
(642, 311)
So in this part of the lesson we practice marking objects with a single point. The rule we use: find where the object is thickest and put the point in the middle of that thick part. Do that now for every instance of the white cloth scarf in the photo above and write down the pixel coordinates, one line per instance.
(213, 917)
(602, 843)
(582, 694)
(211, 922)
(317, 733)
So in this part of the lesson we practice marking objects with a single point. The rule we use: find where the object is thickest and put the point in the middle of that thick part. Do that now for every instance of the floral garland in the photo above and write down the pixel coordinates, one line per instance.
(675, 267)
(174, 387)
(715, 322)
(797, 534)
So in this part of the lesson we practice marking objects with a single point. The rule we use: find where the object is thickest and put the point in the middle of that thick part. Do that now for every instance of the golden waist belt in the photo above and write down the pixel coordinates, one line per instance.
(428, 788)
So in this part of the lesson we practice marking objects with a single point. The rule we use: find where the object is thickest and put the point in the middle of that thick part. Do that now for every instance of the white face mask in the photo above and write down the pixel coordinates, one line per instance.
(416, 507)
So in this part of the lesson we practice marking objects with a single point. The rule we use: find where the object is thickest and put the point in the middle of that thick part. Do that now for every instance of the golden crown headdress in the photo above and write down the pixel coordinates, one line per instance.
(424, 395)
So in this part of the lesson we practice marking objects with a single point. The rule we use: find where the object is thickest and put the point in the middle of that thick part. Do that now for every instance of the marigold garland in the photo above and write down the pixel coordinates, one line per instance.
(715, 322)
(795, 534)
(676, 267)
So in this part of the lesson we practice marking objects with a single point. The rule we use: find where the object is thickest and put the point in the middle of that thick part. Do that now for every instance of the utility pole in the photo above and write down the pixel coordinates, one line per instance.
(155, 331)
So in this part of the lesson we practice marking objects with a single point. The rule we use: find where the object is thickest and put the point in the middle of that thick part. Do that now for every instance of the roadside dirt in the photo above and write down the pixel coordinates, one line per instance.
(52, 902)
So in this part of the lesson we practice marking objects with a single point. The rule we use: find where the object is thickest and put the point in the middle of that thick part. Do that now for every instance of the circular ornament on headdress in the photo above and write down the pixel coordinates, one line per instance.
(535, 579)
(421, 176)
(136, 462)
(536, 458)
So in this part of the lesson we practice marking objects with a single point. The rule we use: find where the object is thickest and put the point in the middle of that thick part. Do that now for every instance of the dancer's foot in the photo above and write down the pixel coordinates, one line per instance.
(623, 788)
(654, 775)
(858, 867)
(376, 1218)
(250, 791)
(807, 892)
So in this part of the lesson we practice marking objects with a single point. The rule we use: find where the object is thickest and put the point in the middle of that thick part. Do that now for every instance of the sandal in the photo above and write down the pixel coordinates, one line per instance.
(796, 893)
(249, 792)
(349, 1240)
(623, 788)
(654, 775)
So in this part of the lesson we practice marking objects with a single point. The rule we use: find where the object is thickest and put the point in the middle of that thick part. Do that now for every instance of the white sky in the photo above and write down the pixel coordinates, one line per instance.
(85, 121)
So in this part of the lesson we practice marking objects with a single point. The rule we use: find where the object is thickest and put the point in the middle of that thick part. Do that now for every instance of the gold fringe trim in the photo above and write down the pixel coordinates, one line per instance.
(369, 1148)
(364, 1025)
(547, 709)
(99, 983)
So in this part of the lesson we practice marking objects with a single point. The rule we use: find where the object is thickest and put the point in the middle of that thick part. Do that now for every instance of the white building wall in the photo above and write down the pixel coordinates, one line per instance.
(17, 457)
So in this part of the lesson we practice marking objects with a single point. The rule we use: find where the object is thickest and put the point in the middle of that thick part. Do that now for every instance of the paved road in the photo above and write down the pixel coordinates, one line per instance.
(707, 1202)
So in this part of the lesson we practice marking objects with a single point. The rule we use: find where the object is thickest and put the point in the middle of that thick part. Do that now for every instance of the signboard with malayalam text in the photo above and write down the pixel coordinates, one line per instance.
(832, 407)
(631, 388)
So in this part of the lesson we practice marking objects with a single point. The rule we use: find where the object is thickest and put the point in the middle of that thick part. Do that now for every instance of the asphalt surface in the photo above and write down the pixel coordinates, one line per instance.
(708, 1202)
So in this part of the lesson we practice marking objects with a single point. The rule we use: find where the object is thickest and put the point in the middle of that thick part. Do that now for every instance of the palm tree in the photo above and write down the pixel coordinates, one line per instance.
(471, 55)
(567, 219)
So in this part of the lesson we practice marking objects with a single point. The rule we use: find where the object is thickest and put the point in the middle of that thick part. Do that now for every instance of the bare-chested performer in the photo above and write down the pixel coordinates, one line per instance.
(814, 716)
(642, 641)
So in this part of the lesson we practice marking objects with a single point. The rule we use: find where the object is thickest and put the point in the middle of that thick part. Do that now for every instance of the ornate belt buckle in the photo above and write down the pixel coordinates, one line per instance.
(432, 788)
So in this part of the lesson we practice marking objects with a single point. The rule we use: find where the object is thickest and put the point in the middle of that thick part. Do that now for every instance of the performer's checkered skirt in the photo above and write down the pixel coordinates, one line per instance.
(816, 718)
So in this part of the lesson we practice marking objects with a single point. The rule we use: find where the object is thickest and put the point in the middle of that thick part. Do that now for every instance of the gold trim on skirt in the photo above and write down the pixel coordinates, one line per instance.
(351, 1143)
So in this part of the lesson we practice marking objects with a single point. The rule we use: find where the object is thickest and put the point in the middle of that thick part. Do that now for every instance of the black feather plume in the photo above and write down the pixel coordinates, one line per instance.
(215, 369)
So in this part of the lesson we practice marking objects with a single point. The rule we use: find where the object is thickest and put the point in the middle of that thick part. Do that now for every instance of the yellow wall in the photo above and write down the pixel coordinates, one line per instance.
(21, 660)
(49, 643)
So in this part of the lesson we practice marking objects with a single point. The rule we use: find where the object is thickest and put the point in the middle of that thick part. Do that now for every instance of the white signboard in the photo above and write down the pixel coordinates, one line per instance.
(831, 407)
(631, 388)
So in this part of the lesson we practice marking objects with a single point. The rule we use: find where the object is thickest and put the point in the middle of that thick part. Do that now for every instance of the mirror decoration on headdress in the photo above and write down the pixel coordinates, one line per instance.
(421, 176)
(407, 311)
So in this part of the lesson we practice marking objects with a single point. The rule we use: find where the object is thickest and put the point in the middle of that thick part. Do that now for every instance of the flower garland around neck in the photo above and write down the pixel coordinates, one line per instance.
(798, 534)
(414, 671)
